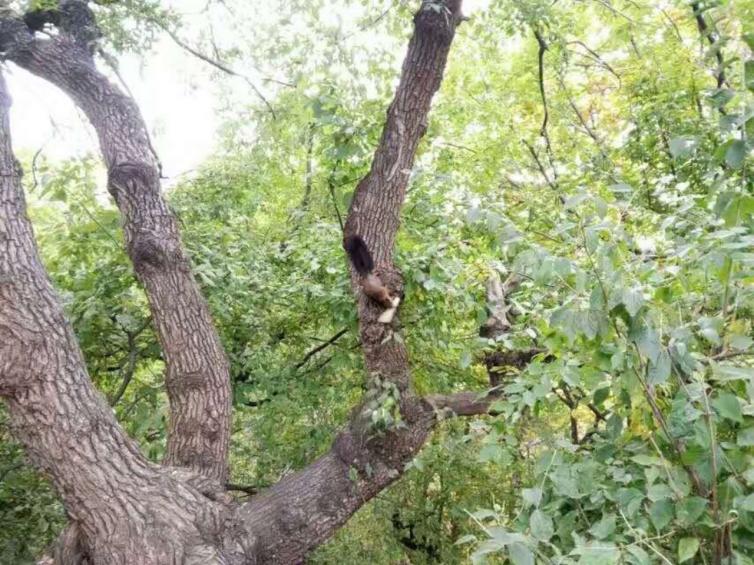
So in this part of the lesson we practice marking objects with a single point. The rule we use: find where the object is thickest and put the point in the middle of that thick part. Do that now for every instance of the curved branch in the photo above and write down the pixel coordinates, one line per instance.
(111, 493)
(218, 65)
(197, 375)
(709, 34)
(543, 131)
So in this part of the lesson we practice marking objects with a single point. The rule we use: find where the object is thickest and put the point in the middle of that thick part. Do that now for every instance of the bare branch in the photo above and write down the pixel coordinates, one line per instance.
(218, 65)
(710, 35)
(320, 347)
(597, 58)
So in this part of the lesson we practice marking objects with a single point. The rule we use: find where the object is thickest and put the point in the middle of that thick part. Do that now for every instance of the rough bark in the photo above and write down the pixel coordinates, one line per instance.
(125, 508)
(376, 205)
(197, 373)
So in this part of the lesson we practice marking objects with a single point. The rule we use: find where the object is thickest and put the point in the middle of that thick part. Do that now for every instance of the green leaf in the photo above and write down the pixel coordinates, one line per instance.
(519, 554)
(720, 97)
(630, 500)
(746, 504)
(601, 394)
(749, 39)
(648, 341)
(503, 536)
(494, 453)
(736, 153)
(465, 361)
(687, 548)
(689, 510)
(682, 146)
(659, 371)
(598, 553)
(484, 549)
(646, 460)
(728, 406)
(633, 300)
(541, 525)
(604, 528)
(532, 496)
(659, 492)
(741, 342)
(731, 373)
(746, 438)
(661, 513)
(638, 556)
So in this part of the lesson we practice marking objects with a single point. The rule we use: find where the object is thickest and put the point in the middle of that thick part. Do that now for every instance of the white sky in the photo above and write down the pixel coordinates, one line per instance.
(176, 98)
(174, 90)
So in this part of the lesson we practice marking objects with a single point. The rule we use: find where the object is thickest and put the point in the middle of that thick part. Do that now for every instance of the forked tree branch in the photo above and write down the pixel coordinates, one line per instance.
(136, 507)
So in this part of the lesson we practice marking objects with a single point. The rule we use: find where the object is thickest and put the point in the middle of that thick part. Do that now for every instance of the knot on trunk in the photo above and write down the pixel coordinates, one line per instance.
(370, 450)
(77, 19)
(439, 18)
(125, 178)
(19, 354)
(15, 39)
(147, 250)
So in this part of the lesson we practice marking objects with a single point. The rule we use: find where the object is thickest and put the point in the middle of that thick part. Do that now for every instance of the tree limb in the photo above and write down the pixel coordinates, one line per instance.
(709, 34)
(66, 426)
(305, 508)
(197, 376)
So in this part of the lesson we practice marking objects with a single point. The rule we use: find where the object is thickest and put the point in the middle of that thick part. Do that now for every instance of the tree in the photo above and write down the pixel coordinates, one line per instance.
(121, 507)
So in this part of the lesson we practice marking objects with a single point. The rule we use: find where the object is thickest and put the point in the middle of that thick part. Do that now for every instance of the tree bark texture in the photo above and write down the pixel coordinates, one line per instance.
(376, 205)
(126, 509)
(197, 372)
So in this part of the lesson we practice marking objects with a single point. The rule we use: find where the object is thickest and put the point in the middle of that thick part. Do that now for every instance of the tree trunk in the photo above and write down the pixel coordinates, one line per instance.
(125, 508)
(376, 205)
(197, 375)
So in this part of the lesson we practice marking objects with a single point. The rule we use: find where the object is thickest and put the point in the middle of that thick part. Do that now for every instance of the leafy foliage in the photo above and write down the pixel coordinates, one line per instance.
(626, 216)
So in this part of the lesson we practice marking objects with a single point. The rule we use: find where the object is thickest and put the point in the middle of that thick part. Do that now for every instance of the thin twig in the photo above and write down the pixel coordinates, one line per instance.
(331, 187)
(709, 34)
(34, 168)
(543, 132)
(597, 58)
(218, 65)
(320, 347)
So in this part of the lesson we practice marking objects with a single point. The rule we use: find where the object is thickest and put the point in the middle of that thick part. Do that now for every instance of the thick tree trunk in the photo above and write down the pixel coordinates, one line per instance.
(197, 375)
(125, 508)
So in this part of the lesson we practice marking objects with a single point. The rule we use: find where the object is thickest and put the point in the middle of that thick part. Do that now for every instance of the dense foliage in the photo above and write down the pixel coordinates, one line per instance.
(595, 152)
